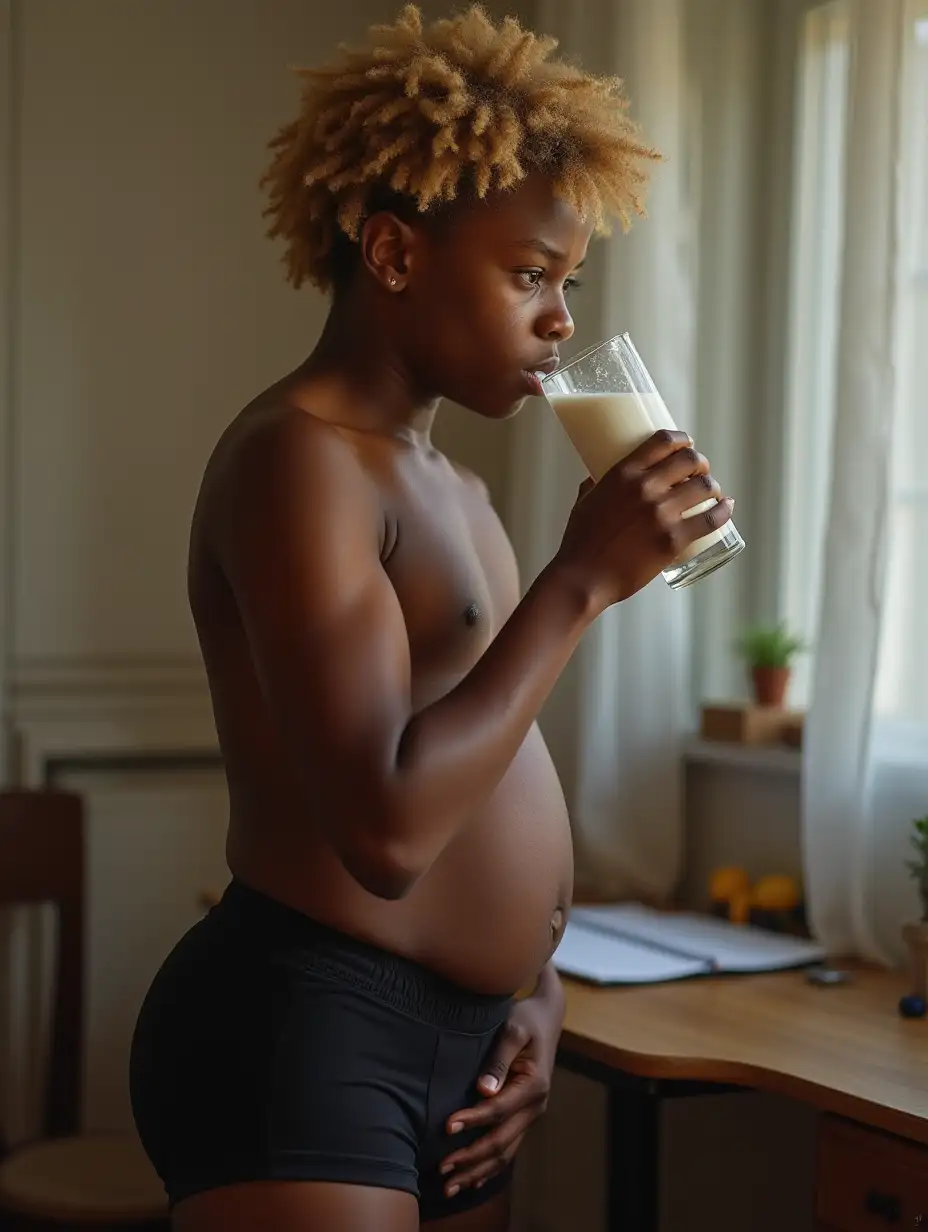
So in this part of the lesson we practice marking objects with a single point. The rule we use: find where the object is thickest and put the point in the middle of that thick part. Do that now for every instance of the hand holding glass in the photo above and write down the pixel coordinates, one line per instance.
(608, 406)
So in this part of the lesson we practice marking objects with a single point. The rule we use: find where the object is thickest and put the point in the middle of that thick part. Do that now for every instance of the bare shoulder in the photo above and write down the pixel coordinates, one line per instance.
(277, 457)
(271, 441)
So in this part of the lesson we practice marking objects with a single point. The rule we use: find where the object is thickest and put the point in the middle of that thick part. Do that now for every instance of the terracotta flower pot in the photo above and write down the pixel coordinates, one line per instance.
(770, 685)
(916, 939)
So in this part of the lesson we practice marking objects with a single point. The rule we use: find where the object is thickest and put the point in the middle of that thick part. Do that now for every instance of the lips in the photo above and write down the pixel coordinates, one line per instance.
(534, 374)
(532, 382)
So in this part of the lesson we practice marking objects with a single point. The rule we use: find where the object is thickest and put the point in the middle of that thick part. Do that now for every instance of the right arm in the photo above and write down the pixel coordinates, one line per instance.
(301, 551)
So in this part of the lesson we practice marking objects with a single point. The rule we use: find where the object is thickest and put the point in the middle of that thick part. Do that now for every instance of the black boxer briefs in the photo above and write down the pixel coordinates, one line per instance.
(272, 1047)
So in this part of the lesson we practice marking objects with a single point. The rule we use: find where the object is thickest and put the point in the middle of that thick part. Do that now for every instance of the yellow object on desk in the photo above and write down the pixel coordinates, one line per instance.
(739, 907)
(734, 898)
(727, 882)
(777, 893)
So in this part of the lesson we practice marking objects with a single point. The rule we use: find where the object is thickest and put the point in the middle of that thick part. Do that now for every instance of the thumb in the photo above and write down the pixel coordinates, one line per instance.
(512, 1040)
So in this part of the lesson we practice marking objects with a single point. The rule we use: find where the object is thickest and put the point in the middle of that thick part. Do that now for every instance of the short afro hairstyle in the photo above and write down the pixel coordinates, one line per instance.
(424, 115)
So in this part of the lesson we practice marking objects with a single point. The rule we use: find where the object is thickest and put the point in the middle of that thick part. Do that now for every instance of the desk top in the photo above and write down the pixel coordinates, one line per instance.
(842, 1049)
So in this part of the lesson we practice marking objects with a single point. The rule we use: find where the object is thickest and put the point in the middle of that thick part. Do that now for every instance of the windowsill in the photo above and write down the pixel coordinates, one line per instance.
(774, 759)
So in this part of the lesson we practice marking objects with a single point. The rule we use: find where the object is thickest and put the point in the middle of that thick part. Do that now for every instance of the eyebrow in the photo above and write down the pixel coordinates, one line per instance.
(553, 254)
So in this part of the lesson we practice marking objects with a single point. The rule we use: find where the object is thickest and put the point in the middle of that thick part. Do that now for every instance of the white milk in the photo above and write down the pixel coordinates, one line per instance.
(605, 428)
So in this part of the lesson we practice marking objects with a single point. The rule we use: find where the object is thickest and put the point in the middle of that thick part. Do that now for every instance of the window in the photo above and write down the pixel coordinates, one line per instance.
(818, 211)
(902, 687)
(815, 304)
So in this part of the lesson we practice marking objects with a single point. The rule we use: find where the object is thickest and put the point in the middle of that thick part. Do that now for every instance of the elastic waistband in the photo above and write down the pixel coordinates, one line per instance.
(397, 981)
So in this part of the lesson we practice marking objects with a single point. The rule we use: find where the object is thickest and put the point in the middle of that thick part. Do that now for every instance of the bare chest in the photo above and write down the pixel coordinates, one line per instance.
(453, 570)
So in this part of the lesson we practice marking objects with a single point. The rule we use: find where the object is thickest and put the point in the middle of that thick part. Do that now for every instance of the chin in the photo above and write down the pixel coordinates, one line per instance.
(494, 410)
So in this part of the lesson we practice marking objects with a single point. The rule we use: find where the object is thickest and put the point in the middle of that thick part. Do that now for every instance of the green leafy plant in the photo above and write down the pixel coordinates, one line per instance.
(770, 646)
(919, 866)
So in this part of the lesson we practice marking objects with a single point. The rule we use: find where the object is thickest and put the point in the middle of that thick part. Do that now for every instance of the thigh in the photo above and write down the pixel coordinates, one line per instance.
(298, 1206)
(491, 1216)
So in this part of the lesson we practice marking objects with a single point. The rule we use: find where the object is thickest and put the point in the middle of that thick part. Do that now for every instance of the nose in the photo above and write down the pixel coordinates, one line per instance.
(556, 324)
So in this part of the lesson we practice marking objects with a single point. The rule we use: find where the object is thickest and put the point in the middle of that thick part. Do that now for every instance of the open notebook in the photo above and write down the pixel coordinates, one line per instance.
(631, 944)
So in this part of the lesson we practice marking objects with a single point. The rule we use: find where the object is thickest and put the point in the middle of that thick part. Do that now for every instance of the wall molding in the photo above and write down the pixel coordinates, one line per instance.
(50, 678)
(62, 711)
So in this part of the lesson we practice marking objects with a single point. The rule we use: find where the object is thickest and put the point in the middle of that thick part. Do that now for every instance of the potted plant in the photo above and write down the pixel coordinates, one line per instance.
(916, 934)
(769, 651)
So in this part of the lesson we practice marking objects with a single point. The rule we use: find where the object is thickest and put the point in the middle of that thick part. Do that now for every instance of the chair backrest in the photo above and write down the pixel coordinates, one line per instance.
(42, 861)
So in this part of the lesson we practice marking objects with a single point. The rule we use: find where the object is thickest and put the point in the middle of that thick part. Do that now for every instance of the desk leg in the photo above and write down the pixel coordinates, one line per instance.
(633, 1159)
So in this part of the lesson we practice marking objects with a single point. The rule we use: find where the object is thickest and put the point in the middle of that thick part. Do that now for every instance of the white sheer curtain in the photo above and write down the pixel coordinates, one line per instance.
(861, 784)
(623, 711)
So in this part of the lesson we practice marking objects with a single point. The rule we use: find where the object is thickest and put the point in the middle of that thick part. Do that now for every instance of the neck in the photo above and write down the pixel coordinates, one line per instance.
(358, 377)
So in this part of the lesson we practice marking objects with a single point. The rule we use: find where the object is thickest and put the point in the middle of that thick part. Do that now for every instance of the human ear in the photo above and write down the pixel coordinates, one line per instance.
(386, 249)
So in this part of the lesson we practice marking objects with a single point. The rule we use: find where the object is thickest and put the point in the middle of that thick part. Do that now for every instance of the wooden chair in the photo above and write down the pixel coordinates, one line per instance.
(66, 1180)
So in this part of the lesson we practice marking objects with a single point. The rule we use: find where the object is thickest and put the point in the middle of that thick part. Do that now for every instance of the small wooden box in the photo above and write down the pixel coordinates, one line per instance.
(745, 723)
(793, 730)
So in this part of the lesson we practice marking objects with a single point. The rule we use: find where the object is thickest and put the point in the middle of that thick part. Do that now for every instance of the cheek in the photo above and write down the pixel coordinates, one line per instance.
(500, 314)
(473, 320)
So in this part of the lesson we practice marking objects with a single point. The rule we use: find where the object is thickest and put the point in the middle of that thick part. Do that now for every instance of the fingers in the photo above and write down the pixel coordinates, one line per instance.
(672, 471)
(494, 1111)
(688, 530)
(679, 483)
(656, 449)
(513, 1038)
(505, 1119)
(489, 1155)
(692, 492)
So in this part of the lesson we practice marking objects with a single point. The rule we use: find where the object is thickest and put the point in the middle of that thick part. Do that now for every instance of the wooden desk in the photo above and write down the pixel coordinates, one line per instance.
(843, 1050)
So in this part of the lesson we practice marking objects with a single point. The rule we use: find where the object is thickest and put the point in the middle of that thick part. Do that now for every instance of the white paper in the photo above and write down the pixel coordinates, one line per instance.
(593, 954)
(725, 947)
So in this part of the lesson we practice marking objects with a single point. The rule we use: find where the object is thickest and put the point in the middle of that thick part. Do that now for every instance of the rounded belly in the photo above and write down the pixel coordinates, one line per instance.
(498, 897)
(487, 915)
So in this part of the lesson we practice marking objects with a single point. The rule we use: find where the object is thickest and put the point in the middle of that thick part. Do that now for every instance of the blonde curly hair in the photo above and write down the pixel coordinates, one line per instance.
(427, 114)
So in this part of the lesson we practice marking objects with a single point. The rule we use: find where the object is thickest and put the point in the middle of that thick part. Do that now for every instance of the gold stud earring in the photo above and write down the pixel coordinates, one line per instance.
(393, 280)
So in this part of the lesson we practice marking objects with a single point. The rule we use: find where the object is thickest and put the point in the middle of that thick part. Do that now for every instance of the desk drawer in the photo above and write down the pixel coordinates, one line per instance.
(869, 1181)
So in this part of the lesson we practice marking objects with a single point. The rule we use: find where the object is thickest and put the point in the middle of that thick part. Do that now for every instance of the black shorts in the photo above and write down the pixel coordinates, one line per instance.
(271, 1047)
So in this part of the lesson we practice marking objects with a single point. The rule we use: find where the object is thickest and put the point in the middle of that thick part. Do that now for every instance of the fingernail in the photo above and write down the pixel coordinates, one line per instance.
(489, 1082)
(446, 1168)
(480, 1184)
(452, 1190)
(456, 1127)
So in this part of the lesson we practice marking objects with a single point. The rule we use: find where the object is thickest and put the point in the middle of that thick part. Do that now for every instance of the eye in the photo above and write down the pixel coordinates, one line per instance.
(535, 277)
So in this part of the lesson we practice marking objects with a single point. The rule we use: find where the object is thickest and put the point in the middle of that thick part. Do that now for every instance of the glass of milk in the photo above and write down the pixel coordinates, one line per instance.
(608, 406)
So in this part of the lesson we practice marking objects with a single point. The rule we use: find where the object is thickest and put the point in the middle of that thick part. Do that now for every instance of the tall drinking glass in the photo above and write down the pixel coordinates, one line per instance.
(608, 406)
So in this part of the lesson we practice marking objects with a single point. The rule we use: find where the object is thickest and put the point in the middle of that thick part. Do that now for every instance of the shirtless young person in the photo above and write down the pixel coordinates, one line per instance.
(398, 840)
